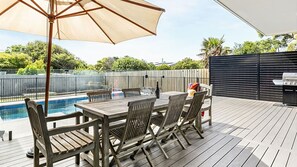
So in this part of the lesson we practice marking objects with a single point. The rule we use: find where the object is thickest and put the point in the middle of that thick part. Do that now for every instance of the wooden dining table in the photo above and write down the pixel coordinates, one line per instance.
(117, 109)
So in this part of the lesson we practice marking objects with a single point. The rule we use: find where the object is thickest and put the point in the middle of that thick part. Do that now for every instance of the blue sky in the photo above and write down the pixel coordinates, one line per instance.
(180, 33)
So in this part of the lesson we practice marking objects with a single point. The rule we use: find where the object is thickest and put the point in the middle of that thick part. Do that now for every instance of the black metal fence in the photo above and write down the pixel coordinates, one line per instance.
(15, 88)
(250, 76)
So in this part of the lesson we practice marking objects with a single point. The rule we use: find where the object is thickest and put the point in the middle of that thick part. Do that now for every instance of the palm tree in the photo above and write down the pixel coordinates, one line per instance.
(213, 47)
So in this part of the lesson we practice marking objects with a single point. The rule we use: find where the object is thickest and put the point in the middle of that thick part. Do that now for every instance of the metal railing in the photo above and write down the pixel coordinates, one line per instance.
(16, 88)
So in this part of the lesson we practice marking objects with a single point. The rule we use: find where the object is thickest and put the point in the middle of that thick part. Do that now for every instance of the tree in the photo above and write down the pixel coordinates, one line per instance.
(14, 60)
(263, 46)
(37, 50)
(213, 47)
(105, 64)
(129, 63)
(32, 69)
(187, 63)
(66, 61)
(152, 66)
(163, 67)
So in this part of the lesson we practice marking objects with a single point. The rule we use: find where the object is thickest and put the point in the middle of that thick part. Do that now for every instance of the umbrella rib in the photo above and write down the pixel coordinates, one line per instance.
(78, 13)
(58, 29)
(78, 1)
(97, 24)
(124, 17)
(32, 7)
(144, 5)
(38, 6)
(9, 7)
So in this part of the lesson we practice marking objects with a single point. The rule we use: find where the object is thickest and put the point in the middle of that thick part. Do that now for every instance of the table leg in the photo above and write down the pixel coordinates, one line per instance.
(105, 142)
(86, 119)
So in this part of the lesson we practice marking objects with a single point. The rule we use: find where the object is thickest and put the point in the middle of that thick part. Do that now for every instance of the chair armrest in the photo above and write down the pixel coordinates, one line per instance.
(57, 118)
(65, 129)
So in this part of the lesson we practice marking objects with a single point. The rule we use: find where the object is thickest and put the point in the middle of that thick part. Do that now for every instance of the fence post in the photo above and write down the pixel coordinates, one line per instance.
(258, 77)
(36, 88)
(128, 81)
(142, 81)
(2, 91)
(184, 84)
(105, 80)
(75, 82)
(197, 79)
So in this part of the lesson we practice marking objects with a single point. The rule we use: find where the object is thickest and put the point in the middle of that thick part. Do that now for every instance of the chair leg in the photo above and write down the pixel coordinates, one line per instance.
(162, 150)
(49, 162)
(148, 157)
(210, 117)
(153, 138)
(199, 133)
(135, 152)
(77, 159)
(180, 143)
(184, 136)
(36, 155)
(115, 157)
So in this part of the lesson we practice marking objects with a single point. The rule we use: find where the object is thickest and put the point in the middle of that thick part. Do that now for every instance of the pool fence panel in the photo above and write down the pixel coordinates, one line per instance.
(15, 87)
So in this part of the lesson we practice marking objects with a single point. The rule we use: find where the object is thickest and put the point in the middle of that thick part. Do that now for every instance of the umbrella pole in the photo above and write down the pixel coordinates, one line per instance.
(48, 65)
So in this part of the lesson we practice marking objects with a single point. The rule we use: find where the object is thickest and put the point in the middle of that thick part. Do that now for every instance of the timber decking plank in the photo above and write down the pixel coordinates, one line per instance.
(268, 157)
(255, 158)
(232, 154)
(244, 155)
(198, 160)
(283, 133)
(196, 152)
(288, 143)
(211, 161)
(269, 138)
(281, 159)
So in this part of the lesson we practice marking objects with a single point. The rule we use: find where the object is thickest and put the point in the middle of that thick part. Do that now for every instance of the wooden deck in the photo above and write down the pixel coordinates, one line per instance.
(244, 133)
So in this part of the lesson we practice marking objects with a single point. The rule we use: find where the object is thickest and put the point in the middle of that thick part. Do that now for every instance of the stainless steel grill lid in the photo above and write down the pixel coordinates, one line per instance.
(289, 79)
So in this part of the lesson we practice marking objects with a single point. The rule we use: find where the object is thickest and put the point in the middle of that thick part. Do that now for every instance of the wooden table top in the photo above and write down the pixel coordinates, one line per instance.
(119, 107)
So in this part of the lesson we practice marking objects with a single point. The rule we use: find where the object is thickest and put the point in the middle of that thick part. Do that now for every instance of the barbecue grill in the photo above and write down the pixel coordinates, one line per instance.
(289, 84)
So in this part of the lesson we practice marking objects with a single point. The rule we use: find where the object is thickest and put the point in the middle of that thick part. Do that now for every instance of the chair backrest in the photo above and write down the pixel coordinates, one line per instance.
(131, 92)
(99, 95)
(38, 122)
(195, 106)
(174, 111)
(138, 119)
(207, 88)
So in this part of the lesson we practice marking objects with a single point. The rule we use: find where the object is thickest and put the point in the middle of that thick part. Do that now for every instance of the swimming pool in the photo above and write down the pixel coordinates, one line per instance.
(18, 111)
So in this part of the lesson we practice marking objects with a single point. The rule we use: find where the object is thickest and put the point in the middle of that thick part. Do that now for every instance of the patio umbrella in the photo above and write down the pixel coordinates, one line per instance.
(270, 17)
(109, 21)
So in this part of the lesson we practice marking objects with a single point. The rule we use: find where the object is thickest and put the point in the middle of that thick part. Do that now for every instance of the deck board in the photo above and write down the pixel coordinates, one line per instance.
(244, 133)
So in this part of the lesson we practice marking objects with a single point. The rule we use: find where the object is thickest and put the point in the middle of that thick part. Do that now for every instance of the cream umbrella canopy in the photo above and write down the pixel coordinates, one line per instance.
(108, 21)
(270, 17)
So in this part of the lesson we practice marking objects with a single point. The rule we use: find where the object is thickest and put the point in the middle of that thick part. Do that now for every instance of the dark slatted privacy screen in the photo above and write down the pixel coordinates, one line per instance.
(250, 76)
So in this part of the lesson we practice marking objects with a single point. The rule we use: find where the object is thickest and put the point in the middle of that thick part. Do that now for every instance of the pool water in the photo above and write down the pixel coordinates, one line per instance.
(18, 111)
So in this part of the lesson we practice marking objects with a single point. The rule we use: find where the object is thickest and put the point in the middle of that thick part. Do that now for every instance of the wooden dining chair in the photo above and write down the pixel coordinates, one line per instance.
(132, 135)
(189, 117)
(62, 142)
(131, 92)
(99, 95)
(168, 123)
(206, 107)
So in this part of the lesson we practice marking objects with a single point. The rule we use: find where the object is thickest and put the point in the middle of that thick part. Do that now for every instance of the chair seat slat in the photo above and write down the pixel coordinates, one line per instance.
(71, 141)
(82, 136)
(74, 137)
(55, 142)
(64, 143)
